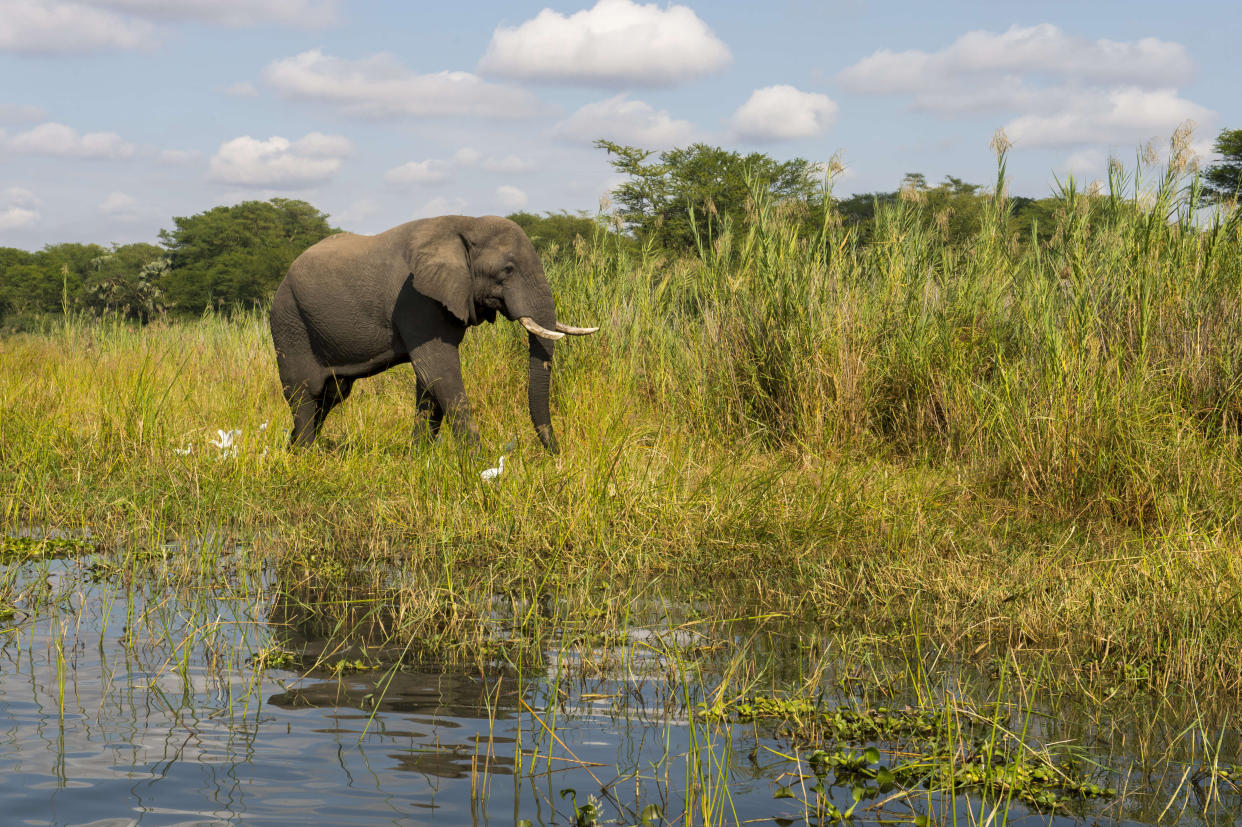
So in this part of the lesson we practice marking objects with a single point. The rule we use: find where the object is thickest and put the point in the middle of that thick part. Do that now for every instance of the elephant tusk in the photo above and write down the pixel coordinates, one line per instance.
(575, 331)
(538, 329)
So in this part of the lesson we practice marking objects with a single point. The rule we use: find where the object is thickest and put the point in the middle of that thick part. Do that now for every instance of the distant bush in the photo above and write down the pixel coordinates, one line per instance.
(234, 257)
(556, 233)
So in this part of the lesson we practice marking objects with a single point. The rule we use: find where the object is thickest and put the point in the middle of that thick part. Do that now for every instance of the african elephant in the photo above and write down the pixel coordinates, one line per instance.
(354, 305)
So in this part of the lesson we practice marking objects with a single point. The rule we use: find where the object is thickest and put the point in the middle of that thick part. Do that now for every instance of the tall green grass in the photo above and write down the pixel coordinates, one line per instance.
(1031, 446)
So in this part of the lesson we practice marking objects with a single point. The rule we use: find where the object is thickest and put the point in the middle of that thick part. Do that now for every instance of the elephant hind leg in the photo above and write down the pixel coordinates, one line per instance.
(310, 409)
(335, 391)
(306, 420)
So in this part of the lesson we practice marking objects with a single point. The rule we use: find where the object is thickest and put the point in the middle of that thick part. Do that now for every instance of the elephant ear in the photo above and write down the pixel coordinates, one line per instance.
(440, 269)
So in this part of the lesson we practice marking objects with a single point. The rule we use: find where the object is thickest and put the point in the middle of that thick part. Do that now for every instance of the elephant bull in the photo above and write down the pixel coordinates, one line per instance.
(354, 305)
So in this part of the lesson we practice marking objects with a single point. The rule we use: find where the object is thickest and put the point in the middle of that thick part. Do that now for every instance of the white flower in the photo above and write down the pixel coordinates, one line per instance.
(225, 441)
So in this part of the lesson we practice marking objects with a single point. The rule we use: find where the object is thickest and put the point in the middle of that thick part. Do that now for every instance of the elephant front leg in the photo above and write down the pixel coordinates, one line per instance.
(429, 407)
(438, 368)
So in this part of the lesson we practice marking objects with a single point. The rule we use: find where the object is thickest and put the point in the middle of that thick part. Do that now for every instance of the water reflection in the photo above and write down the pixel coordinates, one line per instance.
(122, 704)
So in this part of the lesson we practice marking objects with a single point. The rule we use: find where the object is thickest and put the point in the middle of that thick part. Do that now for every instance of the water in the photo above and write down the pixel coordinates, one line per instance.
(127, 705)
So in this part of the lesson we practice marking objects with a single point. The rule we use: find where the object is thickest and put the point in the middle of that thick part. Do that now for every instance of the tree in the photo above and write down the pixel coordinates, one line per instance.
(128, 280)
(1224, 178)
(236, 256)
(43, 282)
(700, 188)
(555, 231)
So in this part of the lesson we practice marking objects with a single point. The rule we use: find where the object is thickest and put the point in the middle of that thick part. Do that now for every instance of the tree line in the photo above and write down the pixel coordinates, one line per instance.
(672, 204)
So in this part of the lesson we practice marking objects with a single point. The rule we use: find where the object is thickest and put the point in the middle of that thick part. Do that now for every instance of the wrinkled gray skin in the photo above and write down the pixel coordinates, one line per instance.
(354, 305)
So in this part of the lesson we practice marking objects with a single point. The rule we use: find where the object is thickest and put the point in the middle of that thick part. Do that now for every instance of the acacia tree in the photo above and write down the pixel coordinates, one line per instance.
(1224, 178)
(700, 186)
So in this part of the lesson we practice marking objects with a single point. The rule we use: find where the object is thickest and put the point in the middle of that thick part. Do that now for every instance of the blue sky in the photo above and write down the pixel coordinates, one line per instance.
(117, 114)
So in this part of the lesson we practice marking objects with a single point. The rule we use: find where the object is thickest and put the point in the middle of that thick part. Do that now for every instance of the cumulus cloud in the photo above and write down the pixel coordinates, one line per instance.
(776, 113)
(43, 27)
(299, 13)
(615, 43)
(18, 208)
(1043, 49)
(121, 206)
(381, 86)
(1127, 114)
(59, 140)
(86, 26)
(277, 162)
(1063, 89)
(467, 156)
(627, 121)
(510, 197)
(319, 145)
(430, 171)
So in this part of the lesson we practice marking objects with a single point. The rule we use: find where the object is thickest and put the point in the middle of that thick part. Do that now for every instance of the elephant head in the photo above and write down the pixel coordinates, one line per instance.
(353, 305)
(478, 267)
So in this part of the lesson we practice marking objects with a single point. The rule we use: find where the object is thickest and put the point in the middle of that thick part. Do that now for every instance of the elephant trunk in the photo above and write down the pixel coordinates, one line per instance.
(540, 387)
(537, 313)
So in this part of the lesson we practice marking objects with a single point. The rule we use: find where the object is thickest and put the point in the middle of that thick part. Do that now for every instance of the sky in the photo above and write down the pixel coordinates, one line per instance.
(116, 115)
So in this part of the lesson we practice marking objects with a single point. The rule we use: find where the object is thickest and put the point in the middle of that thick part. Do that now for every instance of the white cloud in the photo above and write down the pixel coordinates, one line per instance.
(18, 208)
(299, 13)
(319, 145)
(615, 43)
(121, 206)
(1118, 115)
(510, 197)
(430, 171)
(86, 26)
(467, 156)
(276, 163)
(380, 86)
(1062, 89)
(625, 121)
(66, 142)
(50, 27)
(1043, 49)
(441, 205)
(776, 113)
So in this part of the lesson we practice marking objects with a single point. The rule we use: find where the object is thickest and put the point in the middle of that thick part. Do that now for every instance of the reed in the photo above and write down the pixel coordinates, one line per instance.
(1036, 446)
